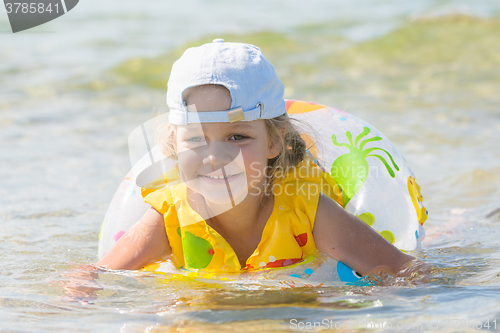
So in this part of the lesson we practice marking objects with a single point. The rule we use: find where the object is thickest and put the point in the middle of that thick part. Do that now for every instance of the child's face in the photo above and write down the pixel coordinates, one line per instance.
(222, 161)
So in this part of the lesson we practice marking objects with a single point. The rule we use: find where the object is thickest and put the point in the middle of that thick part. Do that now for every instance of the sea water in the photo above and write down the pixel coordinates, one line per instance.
(425, 73)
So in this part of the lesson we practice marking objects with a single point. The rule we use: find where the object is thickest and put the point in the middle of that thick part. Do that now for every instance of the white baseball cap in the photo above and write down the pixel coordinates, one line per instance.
(255, 89)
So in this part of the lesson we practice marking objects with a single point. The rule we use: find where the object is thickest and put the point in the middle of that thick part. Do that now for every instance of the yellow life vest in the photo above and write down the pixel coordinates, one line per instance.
(287, 236)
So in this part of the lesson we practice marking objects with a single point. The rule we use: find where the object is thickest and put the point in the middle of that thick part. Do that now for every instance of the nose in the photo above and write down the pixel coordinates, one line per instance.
(220, 154)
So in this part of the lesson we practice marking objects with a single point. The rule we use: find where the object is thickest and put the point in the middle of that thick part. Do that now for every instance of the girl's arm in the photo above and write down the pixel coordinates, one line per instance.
(144, 243)
(348, 239)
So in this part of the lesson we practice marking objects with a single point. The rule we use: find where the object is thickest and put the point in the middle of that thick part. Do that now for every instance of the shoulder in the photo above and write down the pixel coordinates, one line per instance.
(302, 181)
(165, 198)
(328, 214)
(159, 194)
(334, 222)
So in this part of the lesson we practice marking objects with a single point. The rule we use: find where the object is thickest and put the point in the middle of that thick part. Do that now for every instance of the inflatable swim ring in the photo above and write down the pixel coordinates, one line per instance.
(376, 185)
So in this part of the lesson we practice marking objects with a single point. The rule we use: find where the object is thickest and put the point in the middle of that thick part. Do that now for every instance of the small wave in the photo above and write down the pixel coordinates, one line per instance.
(55, 214)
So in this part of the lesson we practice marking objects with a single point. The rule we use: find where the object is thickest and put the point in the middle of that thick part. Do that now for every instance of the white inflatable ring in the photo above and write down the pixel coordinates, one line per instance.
(377, 186)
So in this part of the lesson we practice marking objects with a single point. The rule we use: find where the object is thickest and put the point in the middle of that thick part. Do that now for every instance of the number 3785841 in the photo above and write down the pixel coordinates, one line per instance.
(31, 7)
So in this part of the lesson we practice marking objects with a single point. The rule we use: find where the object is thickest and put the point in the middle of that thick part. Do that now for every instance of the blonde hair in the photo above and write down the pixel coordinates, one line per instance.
(280, 130)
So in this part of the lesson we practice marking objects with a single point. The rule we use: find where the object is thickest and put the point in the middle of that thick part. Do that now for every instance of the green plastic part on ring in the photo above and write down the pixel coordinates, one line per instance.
(351, 170)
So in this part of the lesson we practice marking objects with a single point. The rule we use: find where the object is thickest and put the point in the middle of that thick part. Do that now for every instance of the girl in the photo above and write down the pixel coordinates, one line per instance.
(244, 194)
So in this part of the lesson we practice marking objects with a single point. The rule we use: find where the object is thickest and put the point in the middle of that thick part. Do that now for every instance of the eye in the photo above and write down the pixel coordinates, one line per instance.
(238, 137)
(196, 139)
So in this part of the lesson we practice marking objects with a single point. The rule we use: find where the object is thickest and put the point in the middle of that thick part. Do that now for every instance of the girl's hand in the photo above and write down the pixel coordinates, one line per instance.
(80, 284)
(414, 272)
